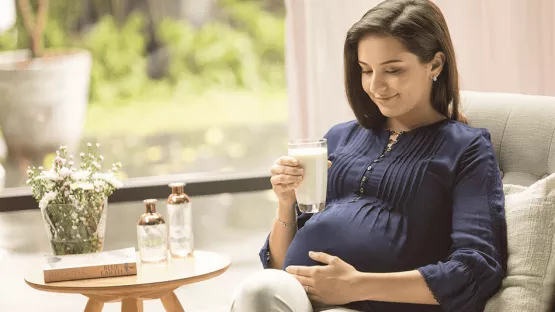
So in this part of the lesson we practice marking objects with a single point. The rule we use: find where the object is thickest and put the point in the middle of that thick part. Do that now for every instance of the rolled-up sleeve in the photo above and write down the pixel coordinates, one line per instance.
(477, 262)
(265, 253)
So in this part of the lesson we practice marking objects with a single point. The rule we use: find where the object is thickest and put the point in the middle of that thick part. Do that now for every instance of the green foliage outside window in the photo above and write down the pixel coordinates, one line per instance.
(242, 49)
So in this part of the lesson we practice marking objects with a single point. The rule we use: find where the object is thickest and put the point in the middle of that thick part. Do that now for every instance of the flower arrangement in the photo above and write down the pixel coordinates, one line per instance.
(73, 199)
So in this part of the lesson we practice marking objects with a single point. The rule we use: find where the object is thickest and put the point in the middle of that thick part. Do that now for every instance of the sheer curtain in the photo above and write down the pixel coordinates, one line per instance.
(501, 46)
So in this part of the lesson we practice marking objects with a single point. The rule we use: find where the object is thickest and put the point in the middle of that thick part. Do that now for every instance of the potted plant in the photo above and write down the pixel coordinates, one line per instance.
(73, 200)
(43, 95)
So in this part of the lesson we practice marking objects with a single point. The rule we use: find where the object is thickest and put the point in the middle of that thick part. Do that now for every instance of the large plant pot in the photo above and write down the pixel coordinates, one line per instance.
(43, 105)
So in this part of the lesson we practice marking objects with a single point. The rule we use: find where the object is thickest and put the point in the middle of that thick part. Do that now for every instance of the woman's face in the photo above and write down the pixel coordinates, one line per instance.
(394, 78)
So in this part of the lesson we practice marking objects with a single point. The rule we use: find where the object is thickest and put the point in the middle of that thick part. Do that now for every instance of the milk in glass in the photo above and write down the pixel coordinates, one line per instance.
(313, 158)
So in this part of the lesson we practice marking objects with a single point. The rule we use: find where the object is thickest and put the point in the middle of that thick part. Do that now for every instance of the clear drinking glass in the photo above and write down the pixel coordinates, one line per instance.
(312, 155)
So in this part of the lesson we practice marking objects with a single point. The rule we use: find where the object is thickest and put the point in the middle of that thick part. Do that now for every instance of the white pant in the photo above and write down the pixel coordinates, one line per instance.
(275, 291)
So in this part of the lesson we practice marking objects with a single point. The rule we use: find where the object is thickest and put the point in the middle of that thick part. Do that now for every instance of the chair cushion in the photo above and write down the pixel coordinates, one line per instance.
(522, 131)
(530, 214)
(519, 178)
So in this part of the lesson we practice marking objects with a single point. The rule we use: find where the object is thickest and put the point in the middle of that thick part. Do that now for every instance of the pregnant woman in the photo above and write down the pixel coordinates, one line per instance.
(414, 216)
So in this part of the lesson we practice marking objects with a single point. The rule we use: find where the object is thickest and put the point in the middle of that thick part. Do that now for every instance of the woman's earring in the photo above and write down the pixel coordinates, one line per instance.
(435, 78)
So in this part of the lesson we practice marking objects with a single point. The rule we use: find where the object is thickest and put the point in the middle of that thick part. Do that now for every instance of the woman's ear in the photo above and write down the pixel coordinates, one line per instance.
(437, 64)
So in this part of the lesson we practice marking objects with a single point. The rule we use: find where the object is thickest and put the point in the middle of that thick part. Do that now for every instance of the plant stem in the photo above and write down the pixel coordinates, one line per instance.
(42, 16)
(99, 8)
(118, 9)
(34, 28)
(28, 18)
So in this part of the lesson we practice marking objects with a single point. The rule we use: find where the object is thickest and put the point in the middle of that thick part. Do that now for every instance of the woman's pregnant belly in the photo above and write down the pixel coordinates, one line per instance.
(368, 238)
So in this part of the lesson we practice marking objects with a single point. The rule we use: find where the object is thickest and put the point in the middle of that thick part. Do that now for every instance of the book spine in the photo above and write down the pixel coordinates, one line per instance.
(72, 274)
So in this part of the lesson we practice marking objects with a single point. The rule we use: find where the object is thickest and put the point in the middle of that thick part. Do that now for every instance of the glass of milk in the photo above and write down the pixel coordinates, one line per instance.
(312, 155)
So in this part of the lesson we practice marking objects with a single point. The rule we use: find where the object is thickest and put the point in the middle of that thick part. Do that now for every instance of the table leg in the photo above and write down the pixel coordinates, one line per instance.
(171, 303)
(131, 305)
(94, 306)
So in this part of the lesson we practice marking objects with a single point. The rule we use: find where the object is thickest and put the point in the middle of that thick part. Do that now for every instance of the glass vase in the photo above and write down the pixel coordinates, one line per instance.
(75, 229)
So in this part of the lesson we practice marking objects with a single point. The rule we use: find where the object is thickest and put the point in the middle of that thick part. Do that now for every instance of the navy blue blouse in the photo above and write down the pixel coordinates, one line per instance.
(433, 203)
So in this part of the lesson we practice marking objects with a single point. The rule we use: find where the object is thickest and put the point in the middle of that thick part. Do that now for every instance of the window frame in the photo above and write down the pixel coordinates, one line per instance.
(138, 189)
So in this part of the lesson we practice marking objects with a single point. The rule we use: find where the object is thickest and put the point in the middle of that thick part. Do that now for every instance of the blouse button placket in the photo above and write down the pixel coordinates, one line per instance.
(387, 150)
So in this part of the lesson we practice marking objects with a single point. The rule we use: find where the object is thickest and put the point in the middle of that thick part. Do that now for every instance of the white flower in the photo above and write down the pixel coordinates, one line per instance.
(65, 172)
(49, 185)
(80, 175)
(109, 178)
(52, 175)
(97, 145)
(74, 215)
(85, 186)
(72, 184)
(59, 160)
(46, 199)
(89, 144)
(99, 183)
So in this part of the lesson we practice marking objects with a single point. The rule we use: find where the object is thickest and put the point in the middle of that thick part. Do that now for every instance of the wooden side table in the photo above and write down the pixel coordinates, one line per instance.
(153, 281)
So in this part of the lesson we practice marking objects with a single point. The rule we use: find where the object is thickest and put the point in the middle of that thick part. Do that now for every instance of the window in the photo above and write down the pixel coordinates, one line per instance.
(176, 86)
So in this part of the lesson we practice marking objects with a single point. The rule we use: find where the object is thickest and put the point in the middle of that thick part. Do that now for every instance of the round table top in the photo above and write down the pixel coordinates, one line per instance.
(175, 272)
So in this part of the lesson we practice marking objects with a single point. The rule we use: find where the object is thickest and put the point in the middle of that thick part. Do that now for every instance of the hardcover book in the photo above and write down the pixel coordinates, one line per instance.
(120, 262)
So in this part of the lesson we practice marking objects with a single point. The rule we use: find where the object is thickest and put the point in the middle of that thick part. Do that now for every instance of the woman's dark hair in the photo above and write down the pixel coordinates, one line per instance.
(420, 26)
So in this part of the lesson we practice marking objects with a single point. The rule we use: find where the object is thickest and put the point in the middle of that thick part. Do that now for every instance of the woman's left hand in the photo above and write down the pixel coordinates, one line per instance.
(329, 284)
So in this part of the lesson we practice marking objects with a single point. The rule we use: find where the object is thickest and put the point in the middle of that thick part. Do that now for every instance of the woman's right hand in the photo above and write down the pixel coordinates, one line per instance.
(287, 174)
(286, 177)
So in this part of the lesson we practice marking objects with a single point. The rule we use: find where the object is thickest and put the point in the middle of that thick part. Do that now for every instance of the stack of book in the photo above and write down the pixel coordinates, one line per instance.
(111, 263)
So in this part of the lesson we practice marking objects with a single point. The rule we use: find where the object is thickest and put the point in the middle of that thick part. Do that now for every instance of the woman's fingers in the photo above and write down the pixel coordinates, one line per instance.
(287, 161)
(280, 169)
(305, 281)
(285, 179)
(284, 188)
